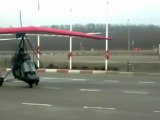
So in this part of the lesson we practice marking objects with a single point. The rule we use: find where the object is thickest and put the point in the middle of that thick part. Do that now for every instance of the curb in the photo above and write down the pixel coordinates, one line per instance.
(41, 70)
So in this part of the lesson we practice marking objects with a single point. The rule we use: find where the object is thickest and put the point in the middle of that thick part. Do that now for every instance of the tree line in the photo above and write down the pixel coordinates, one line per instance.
(140, 36)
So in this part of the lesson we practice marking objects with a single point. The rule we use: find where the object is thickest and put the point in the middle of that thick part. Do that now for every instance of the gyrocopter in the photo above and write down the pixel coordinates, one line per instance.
(23, 68)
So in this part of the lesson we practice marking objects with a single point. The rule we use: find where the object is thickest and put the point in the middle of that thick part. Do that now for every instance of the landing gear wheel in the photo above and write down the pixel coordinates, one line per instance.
(1, 81)
(30, 85)
(37, 82)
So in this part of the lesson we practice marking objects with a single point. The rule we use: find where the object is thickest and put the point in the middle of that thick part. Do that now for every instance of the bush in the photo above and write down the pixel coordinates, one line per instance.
(96, 68)
(113, 68)
(75, 67)
(84, 67)
(110, 68)
(51, 66)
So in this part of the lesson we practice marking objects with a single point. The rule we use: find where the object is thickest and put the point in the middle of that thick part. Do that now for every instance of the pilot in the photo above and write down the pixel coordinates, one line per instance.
(22, 55)
(21, 50)
(28, 68)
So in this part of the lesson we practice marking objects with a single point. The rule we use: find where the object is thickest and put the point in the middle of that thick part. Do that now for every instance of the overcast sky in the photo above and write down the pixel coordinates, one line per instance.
(83, 11)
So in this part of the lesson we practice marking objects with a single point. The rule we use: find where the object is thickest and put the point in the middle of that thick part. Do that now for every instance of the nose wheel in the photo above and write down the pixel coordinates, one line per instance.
(37, 81)
(1, 81)
(30, 85)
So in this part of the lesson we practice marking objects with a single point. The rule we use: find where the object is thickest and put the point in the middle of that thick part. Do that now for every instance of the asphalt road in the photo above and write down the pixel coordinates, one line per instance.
(82, 97)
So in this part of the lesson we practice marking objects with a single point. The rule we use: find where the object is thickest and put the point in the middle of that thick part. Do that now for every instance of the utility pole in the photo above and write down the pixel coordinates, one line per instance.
(38, 41)
(70, 43)
(129, 47)
(20, 17)
(106, 60)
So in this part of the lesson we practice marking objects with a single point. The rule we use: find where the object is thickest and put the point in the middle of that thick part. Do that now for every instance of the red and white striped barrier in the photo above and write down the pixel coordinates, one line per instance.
(69, 71)
(64, 71)
(41, 70)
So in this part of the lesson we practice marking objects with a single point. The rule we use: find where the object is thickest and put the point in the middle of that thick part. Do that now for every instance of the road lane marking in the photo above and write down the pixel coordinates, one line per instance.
(92, 107)
(90, 90)
(110, 108)
(146, 82)
(112, 81)
(54, 78)
(9, 80)
(50, 78)
(37, 104)
(79, 79)
(53, 88)
(156, 111)
(17, 81)
(134, 92)
(100, 108)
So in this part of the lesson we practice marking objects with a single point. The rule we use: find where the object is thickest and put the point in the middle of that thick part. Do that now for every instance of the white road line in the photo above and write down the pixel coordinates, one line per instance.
(17, 81)
(79, 79)
(92, 107)
(110, 108)
(53, 88)
(73, 79)
(156, 111)
(50, 78)
(112, 81)
(37, 104)
(90, 90)
(9, 80)
(146, 82)
(134, 92)
(100, 108)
